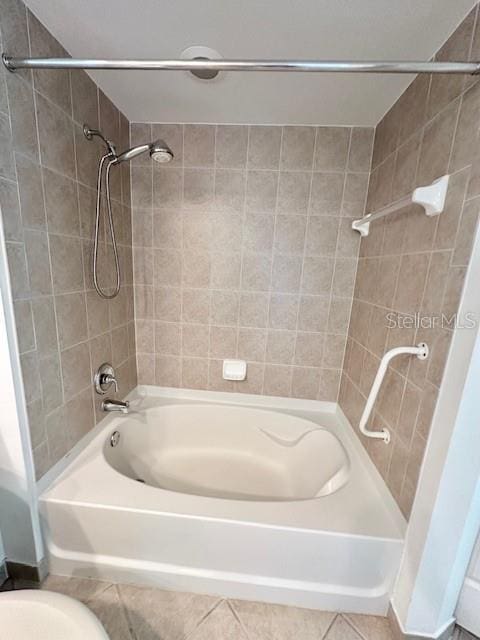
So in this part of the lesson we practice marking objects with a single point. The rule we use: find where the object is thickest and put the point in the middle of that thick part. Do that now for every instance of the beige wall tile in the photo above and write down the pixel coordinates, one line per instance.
(259, 232)
(168, 303)
(331, 149)
(231, 146)
(230, 190)
(361, 148)
(280, 347)
(436, 144)
(244, 261)
(38, 262)
(223, 342)
(293, 192)
(199, 145)
(23, 120)
(253, 309)
(168, 338)
(168, 371)
(326, 193)
(278, 380)
(53, 240)
(167, 228)
(76, 369)
(297, 148)
(168, 187)
(12, 221)
(196, 305)
(412, 264)
(84, 98)
(195, 373)
(283, 311)
(309, 349)
(71, 319)
(322, 233)
(55, 138)
(261, 195)
(51, 381)
(264, 147)
(195, 340)
(31, 377)
(313, 313)
(67, 263)
(29, 177)
(24, 323)
(251, 344)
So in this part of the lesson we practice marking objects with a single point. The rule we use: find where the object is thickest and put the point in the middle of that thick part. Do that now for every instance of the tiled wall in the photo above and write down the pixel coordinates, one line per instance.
(243, 248)
(414, 264)
(47, 194)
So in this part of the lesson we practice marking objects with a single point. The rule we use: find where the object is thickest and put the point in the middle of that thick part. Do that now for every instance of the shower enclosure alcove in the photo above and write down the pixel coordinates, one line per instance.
(241, 246)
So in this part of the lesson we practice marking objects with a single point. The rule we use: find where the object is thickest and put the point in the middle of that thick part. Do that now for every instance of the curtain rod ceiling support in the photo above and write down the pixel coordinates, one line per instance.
(313, 66)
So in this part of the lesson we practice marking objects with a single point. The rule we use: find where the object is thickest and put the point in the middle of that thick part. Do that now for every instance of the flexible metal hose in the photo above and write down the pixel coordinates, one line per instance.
(98, 289)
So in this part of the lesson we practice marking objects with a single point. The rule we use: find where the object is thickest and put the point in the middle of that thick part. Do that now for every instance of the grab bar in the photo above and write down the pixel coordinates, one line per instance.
(421, 351)
(431, 198)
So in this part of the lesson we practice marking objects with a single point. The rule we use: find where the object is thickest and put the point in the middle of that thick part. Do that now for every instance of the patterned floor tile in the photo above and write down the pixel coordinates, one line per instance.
(83, 589)
(220, 624)
(342, 630)
(371, 627)
(111, 613)
(275, 622)
(154, 614)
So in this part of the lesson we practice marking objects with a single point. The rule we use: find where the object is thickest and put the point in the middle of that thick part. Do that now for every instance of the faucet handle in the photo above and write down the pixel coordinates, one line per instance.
(109, 379)
(104, 378)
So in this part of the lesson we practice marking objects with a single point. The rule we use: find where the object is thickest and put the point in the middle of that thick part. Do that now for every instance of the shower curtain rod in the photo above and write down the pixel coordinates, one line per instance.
(316, 66)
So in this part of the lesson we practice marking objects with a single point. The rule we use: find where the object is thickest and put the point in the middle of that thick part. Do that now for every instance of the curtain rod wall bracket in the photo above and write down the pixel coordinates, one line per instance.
(7, 62)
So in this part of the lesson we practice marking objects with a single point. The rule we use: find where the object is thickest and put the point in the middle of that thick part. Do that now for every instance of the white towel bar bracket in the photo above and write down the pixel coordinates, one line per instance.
(421, 351)
(431, 197)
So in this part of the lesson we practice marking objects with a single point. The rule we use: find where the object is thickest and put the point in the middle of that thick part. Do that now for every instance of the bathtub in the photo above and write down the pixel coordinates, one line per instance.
(264, 499)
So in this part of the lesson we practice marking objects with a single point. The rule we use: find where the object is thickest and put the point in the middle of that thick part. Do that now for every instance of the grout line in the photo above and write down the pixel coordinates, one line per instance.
(329, 626)
(238, 618)
(349, 622)
(217, 604)
(272, 257)
(342, 202)
(242, 252)
(130, 625)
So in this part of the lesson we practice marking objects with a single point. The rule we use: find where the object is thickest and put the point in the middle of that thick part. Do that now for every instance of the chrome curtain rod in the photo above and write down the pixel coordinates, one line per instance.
(315, 66)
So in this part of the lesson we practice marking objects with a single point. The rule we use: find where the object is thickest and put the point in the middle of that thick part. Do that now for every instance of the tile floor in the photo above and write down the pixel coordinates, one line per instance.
(140, 613)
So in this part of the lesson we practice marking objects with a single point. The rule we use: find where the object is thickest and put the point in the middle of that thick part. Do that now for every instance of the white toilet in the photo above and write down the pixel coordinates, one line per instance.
(45, 615)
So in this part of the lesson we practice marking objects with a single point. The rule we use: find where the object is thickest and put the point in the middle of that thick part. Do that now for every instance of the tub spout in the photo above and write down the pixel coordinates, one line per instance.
(115, 405)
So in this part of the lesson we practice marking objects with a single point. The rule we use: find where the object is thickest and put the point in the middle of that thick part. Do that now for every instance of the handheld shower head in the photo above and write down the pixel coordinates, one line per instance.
(159, 151)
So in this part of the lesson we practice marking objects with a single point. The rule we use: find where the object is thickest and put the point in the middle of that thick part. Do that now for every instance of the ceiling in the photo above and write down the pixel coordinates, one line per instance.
(315, 29)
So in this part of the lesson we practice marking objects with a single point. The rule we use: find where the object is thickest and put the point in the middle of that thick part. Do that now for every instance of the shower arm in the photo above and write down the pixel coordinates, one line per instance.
(91, 133)
(421, 351)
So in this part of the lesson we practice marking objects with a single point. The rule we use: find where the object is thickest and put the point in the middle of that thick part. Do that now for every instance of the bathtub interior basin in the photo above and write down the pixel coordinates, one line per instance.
(228, 452)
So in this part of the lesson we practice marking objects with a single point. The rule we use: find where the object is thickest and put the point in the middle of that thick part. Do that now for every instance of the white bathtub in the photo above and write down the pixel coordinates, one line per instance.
(274, 500)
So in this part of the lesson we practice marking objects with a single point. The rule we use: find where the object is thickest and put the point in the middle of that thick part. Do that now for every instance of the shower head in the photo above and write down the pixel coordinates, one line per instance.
(159, 151)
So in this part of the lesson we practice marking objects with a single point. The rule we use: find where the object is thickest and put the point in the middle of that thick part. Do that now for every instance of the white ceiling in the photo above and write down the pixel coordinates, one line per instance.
(316, 29)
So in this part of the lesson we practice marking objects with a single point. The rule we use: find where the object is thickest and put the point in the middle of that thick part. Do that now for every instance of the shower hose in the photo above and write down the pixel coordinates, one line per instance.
(106, 174)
